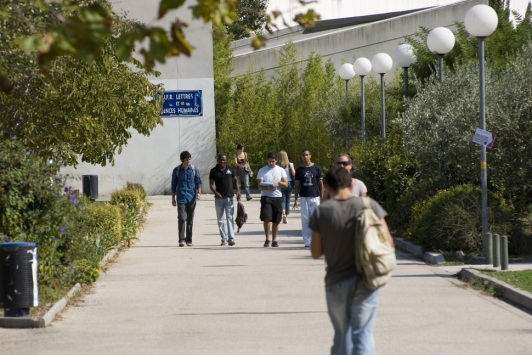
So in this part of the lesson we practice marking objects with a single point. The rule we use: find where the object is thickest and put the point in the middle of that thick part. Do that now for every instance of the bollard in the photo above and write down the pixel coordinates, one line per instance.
(496, 251)
(488, 243)
(504, 252)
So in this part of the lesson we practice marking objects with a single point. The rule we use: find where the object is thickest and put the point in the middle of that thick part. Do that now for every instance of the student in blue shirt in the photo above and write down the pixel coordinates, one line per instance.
(186, 184)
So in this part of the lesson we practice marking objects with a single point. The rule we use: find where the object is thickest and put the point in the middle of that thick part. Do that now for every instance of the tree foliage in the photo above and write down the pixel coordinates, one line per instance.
(82, 28)
(250, 18)
(77, 108)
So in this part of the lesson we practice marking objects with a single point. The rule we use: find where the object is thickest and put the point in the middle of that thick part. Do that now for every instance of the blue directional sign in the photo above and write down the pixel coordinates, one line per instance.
(182, 103)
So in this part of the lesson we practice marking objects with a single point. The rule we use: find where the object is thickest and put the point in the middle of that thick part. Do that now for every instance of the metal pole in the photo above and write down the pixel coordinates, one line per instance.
(496, 251)
(483, 169)
(346, 125)
(383, 119)
(405, 79)
(440, 66)
(489, 248)
(504, 252)
(363, 109)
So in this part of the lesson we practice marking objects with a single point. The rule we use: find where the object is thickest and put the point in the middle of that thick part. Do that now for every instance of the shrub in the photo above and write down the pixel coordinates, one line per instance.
(131, 186)
(451, 220)
(102, 231)
(130, 204)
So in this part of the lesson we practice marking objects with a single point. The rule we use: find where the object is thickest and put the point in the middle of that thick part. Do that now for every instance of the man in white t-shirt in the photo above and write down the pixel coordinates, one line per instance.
(270, 179)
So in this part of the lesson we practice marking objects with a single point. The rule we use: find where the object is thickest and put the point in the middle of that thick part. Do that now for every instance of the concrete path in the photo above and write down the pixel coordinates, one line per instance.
(158, 298)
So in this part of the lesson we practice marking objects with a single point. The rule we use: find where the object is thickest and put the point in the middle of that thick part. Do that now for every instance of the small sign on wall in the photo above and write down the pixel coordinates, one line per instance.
(182, 103)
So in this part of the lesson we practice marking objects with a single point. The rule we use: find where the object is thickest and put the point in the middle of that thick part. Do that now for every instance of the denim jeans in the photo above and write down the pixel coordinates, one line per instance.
(244, 180)
(286, 197)
(225, 205)
(352, 309)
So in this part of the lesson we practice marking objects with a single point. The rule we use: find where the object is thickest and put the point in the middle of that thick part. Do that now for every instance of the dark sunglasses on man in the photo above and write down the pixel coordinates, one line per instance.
(343, 163)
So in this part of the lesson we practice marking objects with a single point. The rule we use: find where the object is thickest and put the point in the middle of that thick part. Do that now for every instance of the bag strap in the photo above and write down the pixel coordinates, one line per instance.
(367, 202)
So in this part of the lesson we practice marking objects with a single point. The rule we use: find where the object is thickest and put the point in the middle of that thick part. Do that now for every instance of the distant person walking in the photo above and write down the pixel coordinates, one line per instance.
(186, 184)
(351, 305)
(309, 185)
(222, 181)
(243, 170)
(358, 188)
(270, 179)
(287, 192)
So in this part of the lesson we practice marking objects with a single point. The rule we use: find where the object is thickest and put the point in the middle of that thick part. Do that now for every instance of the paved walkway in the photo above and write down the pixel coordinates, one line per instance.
(158, 298)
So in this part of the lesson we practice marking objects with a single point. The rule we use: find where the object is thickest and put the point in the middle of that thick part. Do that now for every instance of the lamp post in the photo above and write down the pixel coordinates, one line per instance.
(382, 63)
(362, 67)
(481, 21)
(404, 56)
(440, 41)
(347, 73)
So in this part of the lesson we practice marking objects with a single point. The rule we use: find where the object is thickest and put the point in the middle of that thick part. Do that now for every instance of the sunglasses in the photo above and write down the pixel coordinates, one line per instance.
(344, 163)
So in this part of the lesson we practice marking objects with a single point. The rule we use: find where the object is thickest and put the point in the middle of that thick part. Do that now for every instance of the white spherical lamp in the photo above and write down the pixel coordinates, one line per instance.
(481, 21)
(440, 40)
(382, 63)
(346, 71)
(404, 55)
(362, 66)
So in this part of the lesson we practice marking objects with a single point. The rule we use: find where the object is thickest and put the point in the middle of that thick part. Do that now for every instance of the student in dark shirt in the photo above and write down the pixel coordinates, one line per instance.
(222, 179)
(309, 186)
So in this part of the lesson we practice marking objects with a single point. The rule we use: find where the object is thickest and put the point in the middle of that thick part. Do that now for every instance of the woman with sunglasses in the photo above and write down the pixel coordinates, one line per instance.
(358, 188)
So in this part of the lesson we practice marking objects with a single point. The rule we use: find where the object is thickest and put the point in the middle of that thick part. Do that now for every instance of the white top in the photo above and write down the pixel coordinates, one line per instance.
(359, 188)
(287, 171)
(268, 175)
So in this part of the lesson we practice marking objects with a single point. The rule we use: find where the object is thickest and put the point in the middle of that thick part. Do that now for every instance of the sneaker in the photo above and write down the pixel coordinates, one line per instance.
(266, 243)
(275, 245)
(223, 244)
(284, 219)
(249, 198)
(307, 246)
(232, 242)
(190, 245)
(181, 244)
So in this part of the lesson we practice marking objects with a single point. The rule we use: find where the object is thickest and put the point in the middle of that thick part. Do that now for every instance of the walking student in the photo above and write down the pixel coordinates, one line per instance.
(186, 185)
(243, 171)
(222, 181)
(309, 186)
(270, 179)
(290, 173)
(352, 307)
(358, 188)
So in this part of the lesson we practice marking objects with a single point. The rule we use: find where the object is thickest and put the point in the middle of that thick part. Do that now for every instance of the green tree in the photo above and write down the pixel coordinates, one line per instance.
(77, 108)
(250, 17)
(82, 28)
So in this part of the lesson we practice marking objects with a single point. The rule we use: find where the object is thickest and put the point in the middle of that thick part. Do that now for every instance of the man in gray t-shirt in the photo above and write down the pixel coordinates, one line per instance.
(351, 305)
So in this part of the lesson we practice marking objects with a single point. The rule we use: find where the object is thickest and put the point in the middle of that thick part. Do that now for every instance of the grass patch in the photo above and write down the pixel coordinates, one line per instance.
(518, 279)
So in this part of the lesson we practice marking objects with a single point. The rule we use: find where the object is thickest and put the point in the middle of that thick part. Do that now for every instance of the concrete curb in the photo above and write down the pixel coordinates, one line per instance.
(510, 293)
(416, 250)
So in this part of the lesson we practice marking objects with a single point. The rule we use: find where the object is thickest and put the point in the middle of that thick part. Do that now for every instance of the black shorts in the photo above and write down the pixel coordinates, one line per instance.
(271, 209)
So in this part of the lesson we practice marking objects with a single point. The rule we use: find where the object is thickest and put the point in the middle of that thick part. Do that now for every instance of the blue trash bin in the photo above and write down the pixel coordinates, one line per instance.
(18, 278)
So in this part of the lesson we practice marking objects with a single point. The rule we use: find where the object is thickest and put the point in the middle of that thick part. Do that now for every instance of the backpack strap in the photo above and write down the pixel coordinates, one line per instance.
(178, 168)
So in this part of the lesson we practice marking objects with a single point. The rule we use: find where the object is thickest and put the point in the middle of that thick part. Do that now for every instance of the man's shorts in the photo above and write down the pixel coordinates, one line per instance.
(271, 209)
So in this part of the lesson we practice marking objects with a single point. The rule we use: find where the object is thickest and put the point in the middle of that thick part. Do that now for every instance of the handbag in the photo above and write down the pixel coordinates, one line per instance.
(248, 169)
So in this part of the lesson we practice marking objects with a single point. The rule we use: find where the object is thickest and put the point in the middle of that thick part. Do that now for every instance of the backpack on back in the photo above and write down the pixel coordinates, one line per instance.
(374, 256)
(179, 168)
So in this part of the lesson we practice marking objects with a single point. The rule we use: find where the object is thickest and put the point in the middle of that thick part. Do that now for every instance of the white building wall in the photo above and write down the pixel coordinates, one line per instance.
(334, 9)
(150, 160)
